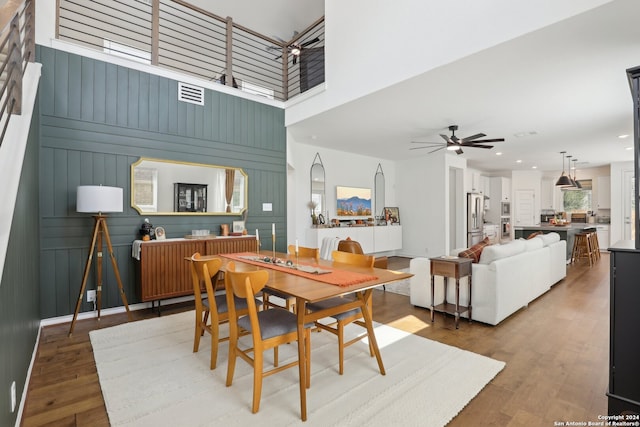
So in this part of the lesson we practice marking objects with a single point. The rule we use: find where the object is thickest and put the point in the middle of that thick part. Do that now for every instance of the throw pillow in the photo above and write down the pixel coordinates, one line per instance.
(475, 251)
(532, 235)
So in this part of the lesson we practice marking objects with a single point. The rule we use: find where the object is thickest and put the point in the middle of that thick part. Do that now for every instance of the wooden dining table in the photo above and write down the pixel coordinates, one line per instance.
(306, 290)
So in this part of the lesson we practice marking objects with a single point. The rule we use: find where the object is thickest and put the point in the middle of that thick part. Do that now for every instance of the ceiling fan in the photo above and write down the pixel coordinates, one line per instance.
(294, 48)
(453, 143)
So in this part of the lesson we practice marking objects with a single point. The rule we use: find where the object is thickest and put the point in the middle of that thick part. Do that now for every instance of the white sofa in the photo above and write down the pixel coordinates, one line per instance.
(506, 278)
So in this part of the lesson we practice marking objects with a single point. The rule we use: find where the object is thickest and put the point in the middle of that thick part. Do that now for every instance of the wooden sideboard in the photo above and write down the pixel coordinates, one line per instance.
(372, 239)
(162, 271)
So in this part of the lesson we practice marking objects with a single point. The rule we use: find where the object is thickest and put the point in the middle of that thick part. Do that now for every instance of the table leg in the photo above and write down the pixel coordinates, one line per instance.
(432, 298)
(457, 313)
(469, 297)
(302, 357)
(368, 321)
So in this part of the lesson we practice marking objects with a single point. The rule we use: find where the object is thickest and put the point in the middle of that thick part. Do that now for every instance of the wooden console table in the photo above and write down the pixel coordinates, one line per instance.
(162, 272)
(450, 267)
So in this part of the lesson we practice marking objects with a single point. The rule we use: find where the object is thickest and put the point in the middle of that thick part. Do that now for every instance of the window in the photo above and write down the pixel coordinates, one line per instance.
(578, 200)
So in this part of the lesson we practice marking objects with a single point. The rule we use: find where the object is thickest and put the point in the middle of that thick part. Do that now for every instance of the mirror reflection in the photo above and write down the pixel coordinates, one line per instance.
(163, 187)
(318, 185)
(378, 182)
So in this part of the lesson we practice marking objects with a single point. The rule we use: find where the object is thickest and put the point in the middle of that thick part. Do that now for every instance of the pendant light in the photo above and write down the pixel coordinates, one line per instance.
(578, 185)
(564, 180)
(573, 183)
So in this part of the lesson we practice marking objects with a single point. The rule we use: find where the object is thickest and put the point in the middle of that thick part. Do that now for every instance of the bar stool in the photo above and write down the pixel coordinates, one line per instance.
(595, 246)
(582, 248)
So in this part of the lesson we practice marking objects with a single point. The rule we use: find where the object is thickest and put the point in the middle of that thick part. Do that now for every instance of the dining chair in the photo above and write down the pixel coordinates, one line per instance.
(348, 245)
(350, 315)
(268, 329)
(289, 303)
(205, 272)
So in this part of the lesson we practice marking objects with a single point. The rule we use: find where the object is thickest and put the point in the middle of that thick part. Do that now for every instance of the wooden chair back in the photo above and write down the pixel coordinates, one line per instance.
(202, 272)
(357, 260)
(349, 245)
(305, 252)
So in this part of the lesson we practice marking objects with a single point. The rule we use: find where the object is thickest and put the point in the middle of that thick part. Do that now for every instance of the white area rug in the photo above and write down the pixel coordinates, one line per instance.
(150, 377)
(400, 287)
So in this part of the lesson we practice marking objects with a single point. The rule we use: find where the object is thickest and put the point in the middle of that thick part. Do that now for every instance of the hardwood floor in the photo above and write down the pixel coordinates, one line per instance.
(556, 351)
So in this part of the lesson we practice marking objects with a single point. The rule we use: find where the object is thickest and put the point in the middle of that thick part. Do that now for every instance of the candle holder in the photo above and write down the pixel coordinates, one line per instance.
(273, 244)
(297, 264)
(258, 247)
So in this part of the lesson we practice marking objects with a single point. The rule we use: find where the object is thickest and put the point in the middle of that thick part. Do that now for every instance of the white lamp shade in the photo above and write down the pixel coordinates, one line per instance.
(99, 198)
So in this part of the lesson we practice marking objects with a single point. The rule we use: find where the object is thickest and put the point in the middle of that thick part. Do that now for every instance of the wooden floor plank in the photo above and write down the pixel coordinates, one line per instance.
(556, 351)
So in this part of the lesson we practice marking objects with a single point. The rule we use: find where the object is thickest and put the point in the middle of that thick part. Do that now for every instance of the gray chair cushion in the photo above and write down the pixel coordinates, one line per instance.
(221, 303)
(273, 322)
(332, 302)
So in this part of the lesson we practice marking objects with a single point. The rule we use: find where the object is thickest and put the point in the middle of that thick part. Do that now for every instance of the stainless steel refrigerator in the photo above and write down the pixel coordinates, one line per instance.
(475, 218)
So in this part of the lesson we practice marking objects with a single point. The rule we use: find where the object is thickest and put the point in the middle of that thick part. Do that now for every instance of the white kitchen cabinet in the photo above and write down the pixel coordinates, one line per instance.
(485, 189)
(604, 192)
(500, 189)
(475, 182)
(603, 237)
(491, 231)
(547, 186)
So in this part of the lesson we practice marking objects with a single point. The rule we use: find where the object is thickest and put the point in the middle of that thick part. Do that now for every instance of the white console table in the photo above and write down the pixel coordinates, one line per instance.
(372, 239)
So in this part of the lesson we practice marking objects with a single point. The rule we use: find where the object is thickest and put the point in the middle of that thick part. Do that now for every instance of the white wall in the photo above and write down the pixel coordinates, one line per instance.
(394, 41)
(341, 169)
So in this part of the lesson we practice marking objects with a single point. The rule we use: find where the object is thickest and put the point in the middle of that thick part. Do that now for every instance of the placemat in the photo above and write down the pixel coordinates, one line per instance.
(332, 276)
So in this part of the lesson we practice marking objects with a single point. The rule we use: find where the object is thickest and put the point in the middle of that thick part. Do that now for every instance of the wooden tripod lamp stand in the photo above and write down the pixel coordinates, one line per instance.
(98, 199)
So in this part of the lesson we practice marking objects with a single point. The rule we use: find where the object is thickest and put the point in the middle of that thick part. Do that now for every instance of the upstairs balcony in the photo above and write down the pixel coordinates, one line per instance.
(176, 35)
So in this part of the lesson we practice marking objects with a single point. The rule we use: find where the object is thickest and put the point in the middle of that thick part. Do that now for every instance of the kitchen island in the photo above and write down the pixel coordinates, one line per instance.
(566, 232)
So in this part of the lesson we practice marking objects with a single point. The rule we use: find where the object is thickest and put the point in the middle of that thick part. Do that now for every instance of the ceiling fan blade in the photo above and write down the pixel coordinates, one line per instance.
(476, 145)
(279, 39)
(277, 57)
(310, 42)
(446, 138)
(437, 149)
(472, 137)
(427, 142)
(481, 141)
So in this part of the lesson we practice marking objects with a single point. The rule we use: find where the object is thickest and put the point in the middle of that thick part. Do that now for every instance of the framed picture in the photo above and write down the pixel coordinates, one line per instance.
(238, 226)
(353, 202)
(160, 234)
(392, 216)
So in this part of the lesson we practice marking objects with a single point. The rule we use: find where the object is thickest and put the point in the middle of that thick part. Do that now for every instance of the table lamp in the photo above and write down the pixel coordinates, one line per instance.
(99, 199)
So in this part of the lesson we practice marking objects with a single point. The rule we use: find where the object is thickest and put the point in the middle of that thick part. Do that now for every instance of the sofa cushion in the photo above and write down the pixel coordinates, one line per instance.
(533, 244)
(549, 238)
(475, 251)
(495, 252)
(532, 235)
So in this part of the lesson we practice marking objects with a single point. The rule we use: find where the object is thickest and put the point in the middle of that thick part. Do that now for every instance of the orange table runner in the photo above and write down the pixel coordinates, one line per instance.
(333, 276)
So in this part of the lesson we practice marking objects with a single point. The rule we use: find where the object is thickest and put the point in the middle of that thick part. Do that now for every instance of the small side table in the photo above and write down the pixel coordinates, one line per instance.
(450, 267)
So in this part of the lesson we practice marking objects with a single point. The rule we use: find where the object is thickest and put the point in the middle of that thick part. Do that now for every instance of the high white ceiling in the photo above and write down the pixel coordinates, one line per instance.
(563, 87)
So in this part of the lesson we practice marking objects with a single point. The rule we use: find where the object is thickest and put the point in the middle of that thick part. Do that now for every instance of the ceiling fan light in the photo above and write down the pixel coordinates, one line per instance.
(295, 50)
(452, 147)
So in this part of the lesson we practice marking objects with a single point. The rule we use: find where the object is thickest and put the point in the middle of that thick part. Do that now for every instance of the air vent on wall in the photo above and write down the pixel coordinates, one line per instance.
(190, 93)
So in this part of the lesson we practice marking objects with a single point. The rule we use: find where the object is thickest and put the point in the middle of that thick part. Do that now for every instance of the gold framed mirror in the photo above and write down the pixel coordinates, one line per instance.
(166, 187)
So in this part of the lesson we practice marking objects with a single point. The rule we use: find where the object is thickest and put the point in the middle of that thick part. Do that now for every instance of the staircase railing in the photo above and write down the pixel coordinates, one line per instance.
(177, 35)
(17, 48)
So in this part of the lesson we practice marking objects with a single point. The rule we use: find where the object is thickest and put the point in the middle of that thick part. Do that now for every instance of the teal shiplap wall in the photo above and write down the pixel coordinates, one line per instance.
(20, 283)
(96, 119)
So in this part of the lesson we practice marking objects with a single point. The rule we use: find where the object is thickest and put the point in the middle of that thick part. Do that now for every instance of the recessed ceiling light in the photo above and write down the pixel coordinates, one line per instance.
(623, 136)
(498, 153)
(518, 161)
(629, 148)
(534, 167)
(520, 134)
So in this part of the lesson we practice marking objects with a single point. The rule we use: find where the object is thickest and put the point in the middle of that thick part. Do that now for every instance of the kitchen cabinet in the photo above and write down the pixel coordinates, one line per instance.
(604, 192)
(500, 189)
(603, 237)
(485, 189)
(475, 182)
(547, 186)
(491, 231)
